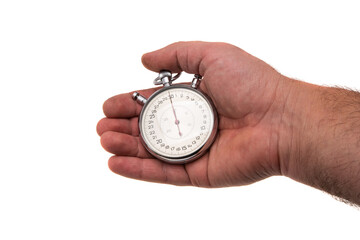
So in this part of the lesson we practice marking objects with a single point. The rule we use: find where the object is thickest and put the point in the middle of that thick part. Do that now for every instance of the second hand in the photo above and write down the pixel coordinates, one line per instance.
(177, 122)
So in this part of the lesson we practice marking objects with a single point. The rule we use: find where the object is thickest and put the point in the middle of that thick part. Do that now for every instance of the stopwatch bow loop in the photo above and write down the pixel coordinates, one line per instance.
(165, 78)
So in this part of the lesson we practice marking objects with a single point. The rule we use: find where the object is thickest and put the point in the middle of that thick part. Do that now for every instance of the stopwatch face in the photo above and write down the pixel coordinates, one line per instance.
(177, 122)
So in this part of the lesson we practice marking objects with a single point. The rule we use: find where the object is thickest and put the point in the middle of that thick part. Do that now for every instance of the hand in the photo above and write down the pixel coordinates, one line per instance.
(249, 97)
(268, 125)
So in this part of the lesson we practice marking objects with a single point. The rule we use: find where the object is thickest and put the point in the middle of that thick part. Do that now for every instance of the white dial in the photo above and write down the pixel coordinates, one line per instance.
(177, 122)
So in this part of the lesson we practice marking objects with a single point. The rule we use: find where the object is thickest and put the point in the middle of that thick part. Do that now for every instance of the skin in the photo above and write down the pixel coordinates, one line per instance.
(268, 125)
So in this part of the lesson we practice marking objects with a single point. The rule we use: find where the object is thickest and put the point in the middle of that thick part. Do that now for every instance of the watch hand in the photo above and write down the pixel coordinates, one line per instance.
(177, 122)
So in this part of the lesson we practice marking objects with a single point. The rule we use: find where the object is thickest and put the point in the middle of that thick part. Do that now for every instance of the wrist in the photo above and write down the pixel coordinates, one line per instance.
(319, 138)
(297, 128)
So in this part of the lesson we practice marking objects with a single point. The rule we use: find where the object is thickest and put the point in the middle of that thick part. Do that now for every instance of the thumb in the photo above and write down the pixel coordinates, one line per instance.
(181, 56)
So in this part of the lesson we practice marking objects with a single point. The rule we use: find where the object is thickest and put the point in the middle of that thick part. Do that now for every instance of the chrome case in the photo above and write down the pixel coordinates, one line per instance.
(202, 150)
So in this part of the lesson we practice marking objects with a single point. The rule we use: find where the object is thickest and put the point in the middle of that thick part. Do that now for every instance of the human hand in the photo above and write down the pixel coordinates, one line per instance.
(249, 97)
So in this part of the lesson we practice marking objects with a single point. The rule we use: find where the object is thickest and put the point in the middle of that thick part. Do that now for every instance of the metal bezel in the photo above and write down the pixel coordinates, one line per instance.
(195, 155)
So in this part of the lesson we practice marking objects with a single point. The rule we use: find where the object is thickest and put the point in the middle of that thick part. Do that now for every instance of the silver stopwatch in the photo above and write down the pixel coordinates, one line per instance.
(178, 123)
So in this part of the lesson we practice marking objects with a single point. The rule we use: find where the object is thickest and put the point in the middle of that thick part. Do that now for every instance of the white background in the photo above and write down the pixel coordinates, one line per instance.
(59, 60)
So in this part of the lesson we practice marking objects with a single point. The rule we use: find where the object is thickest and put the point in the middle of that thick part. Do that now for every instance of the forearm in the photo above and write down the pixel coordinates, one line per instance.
(323, 139)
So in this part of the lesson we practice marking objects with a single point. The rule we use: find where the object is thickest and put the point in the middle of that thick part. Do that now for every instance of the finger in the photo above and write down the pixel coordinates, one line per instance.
(149, 169)
(123, 145)
(123, 106)
(191, 57)
(128, 126)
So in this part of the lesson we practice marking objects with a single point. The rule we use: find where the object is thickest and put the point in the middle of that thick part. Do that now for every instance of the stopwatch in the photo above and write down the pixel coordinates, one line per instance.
(178, 123)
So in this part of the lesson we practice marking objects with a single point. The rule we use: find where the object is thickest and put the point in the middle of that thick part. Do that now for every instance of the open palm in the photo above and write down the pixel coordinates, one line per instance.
(248, 95)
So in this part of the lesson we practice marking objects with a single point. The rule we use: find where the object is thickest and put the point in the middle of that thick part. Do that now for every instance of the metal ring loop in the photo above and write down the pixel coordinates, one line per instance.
(163, 74)
(176, 77)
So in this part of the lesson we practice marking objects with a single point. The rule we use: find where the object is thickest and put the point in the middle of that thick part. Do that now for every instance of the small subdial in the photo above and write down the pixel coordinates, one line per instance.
(179, 127)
